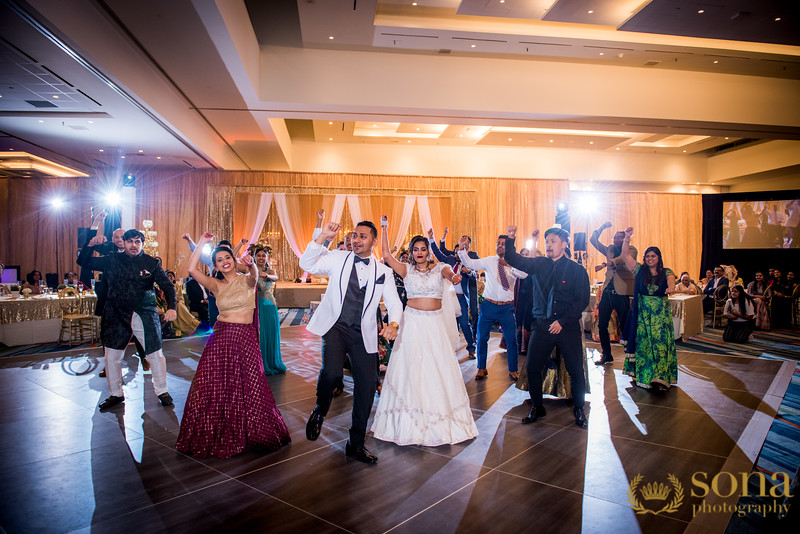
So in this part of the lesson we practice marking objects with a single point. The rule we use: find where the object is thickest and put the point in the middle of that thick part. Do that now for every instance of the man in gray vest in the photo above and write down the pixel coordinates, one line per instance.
(346, 320)
(617, 289)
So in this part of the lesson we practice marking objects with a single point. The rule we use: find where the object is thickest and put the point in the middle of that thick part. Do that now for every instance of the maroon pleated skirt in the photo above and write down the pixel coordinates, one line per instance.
(230, 407)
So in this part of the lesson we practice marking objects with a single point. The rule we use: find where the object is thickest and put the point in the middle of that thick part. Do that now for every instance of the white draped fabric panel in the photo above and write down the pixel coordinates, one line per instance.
(263, 211)
(355, 208)
(405, 221)
(286, 222)
(424, 214)
(338, 208)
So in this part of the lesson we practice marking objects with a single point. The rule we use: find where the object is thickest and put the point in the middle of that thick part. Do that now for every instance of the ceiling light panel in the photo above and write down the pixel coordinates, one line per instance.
(596, 12)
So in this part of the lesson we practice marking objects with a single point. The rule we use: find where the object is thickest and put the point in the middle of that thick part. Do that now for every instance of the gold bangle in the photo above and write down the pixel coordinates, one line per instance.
(394, 324)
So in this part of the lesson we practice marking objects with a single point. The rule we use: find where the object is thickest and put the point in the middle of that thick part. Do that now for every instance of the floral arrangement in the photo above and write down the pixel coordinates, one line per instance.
(26, 292)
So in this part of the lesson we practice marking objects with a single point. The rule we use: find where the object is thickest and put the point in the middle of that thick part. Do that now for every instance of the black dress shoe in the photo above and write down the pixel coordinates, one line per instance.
(536, 413)
(604, 360)
(580, 417)
(314, 425)
(111, 401)
(360, 453)
(166, 399)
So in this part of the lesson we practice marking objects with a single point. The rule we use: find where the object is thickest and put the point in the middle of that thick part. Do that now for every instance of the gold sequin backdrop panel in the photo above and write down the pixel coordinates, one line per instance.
(178, 202)
(671, 221)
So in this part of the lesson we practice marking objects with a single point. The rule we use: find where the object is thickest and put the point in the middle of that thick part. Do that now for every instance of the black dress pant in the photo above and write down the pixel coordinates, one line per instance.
(610, 302)
(541, 345)
(339, 341)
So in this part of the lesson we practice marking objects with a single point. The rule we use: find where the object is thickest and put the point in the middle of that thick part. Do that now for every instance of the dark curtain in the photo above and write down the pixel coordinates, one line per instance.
(747, 261)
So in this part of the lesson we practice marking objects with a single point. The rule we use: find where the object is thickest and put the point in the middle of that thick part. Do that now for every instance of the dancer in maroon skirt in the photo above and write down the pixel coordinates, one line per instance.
(230, 408)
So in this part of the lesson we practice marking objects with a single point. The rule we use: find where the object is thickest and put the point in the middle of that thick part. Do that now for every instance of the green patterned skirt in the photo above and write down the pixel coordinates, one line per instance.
(655, 360)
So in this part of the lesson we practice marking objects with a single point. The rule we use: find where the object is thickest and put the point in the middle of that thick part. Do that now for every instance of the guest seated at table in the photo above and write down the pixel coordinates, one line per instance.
(704, 281)
(740, 311)
(32, 282)
(72, 280)
(780, 297)
(685, 286)
(757, 290)
(712, 285)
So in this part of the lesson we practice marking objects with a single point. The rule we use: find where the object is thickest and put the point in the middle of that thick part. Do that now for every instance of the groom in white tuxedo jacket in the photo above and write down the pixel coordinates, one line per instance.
(347, 321)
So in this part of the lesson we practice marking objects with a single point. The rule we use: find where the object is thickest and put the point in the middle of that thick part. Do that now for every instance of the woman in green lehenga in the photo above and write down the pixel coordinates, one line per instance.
(652, 360)
(269, 324)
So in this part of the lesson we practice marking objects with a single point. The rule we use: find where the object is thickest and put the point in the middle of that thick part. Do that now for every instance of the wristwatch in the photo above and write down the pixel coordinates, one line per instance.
(394, 324)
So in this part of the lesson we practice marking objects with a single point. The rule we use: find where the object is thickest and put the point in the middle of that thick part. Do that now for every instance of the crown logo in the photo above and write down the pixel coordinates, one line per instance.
(655, 492)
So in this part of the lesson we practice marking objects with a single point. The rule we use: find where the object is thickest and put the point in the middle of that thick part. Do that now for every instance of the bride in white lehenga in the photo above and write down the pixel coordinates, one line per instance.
(423, 400)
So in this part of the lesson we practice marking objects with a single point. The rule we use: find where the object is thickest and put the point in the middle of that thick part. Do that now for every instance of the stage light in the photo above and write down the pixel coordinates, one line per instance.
(56, 203)
(112, 198)
(128, 180)
(562, 206)
(585, 205)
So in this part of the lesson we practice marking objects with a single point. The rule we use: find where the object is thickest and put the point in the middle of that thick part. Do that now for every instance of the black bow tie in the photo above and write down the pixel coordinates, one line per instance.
(359, 259)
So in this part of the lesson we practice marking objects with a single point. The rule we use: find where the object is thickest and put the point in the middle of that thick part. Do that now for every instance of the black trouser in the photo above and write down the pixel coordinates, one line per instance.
(473, 305)
(609, 302)
(541, 345)
(340, 340)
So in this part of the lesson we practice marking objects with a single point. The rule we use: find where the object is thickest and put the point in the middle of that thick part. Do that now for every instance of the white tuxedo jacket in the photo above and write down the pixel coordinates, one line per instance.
(338, 264)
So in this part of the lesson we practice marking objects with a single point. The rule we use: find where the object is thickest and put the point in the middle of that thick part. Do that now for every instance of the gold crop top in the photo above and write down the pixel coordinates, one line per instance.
(236, 296)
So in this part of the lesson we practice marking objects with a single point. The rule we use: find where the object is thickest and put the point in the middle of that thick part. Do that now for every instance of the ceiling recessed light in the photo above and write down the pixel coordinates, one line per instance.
(158, 157)
(590, 11)
(140, 151)
(461, 135)
(617, 148)
(698, 183)
(55, 96)
(502, 1)
(777, 19)
(712, 183)
(510, 139)
(684, 152)
(101, 150)
(472, 46)
(330, 139)
(123, 157)
(330, 37)
(417, 129)
(701, 11)
(591, 142)
(727, 138)
(716, 61)
(409, 140)
(91, 122)
(40, 121)
(602, 53)
(551, 140)
(414, 3)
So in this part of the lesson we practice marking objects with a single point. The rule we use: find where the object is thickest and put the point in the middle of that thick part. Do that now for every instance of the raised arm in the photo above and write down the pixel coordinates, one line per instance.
(630, 263)
(316, 258)
(86, 260)
(397, 266)
(449, 260)
(535, 238)
(512, 257)
(252, 270)
(195, 272)
(595, 239)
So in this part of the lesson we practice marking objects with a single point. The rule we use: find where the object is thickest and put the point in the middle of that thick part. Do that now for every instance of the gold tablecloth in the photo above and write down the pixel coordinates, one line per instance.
(38, 308)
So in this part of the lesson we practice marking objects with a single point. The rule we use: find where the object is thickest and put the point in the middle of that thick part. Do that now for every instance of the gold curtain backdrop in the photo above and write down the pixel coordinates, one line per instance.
(671, 221)
(200, 201)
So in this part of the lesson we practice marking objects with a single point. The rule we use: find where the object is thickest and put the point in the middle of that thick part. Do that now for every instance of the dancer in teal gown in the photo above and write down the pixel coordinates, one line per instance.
(269, 324)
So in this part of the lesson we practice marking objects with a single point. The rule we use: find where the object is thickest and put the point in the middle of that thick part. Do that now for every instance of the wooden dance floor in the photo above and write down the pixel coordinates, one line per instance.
(67, 467)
